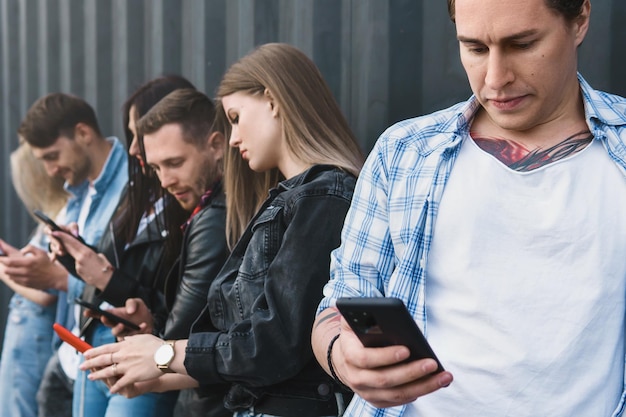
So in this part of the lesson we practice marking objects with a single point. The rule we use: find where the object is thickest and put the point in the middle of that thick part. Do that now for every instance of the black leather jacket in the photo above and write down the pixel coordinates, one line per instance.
(140, 269)
(255, 330)
(203, 253)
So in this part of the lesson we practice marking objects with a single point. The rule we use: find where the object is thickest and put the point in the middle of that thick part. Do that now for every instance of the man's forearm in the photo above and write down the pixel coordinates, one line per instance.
(326, 327)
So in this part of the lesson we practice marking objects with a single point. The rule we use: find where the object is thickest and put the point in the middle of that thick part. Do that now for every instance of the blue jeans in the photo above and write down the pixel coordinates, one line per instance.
(93, 399)
(25, 353)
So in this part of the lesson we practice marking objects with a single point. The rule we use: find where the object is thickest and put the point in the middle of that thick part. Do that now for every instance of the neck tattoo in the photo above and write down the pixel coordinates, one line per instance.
(517, 157)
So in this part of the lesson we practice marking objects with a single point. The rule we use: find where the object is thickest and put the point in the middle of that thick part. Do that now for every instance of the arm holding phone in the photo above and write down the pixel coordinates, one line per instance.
(36, 296)
(32, 267)
(94, 268)
(364, 369)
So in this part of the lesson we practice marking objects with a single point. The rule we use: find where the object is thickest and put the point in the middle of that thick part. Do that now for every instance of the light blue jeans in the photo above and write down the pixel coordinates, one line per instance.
(93, 399)
(25, 353)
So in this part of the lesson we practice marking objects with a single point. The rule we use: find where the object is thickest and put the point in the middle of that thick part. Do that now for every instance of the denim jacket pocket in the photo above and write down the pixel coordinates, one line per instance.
(265, 243)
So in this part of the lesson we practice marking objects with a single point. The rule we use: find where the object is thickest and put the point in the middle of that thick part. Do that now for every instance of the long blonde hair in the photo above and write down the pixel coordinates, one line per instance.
(314, 127)
(33, 185)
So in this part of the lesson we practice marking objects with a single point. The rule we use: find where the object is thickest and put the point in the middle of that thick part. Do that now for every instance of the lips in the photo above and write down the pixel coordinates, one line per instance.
(507, 104)
(178, 194)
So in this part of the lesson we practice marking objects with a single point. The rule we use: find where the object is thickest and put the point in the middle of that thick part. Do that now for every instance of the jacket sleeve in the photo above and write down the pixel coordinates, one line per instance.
(273, 344)
(141, 273)
(121, 287)
(204, 254)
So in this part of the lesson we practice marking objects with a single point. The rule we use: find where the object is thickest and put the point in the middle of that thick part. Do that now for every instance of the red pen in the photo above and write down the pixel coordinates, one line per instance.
(69, 337)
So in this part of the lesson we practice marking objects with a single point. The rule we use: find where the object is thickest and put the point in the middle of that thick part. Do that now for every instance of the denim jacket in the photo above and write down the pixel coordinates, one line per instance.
(109, 186)
(255, 330)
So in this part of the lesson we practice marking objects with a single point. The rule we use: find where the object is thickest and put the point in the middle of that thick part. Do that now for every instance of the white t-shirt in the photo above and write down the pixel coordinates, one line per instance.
(525, 288)
(69, 358)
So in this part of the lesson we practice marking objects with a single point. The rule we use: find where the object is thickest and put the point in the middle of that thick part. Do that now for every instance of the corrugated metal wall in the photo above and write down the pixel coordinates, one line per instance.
(385, 60)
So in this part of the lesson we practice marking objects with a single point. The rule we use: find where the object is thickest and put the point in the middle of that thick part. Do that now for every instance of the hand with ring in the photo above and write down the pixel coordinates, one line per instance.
(126, 362)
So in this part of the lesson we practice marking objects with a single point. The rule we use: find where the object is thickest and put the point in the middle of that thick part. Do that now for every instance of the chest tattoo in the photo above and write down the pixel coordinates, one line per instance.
(517, 157)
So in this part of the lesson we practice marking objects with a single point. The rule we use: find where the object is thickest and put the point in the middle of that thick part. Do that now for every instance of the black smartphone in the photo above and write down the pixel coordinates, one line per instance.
(55, 227)
(47, 220)
(385, 321)
(107, 314)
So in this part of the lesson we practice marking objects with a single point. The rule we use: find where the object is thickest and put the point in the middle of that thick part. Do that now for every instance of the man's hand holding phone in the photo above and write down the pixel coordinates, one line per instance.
(380, 375)
(363, 369)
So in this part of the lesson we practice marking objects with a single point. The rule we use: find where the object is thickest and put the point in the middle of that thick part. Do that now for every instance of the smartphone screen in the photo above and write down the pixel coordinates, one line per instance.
(107, 314)
(385, 321)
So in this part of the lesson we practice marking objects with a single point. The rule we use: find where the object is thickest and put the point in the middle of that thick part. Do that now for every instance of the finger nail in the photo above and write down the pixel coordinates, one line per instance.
(445, 380)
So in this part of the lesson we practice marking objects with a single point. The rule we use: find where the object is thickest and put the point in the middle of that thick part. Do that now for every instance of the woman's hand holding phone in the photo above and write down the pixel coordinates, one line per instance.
(94, 268)
(135, 311)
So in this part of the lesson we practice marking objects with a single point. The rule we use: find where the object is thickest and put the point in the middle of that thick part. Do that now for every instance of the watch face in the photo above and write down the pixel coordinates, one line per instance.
(164, 354)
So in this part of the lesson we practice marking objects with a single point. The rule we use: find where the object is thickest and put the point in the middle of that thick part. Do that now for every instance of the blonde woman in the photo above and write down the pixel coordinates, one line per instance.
(28, 332)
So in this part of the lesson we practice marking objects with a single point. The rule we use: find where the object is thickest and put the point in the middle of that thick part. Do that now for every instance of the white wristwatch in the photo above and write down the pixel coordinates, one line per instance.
(164, 356)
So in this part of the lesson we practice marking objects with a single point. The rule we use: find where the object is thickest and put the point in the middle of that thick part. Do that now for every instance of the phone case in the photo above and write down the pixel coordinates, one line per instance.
(385, 321)
(67, 336)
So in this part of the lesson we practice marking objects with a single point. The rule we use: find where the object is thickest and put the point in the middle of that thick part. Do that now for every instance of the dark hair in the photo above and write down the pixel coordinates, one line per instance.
(144, 188)
(569, 9)
(191, 109)
(55, 115)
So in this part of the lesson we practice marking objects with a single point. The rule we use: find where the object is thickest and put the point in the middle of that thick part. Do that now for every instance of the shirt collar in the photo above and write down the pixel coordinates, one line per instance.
(115, 162)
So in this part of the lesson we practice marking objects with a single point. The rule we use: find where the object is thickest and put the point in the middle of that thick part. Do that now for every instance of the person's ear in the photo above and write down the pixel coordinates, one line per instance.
(217, 144)
(582, 22)
(82, 133)
(273, 105)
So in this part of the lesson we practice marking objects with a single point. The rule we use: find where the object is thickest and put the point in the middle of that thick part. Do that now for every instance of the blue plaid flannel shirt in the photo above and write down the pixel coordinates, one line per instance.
(389, 227)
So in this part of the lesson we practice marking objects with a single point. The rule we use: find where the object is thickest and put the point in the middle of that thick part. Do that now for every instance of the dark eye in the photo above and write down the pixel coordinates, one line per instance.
(478, 50)
(523, 45)
(234, 120)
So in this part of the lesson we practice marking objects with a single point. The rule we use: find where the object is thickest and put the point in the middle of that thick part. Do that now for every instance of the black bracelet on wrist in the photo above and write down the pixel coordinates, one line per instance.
(329, 358)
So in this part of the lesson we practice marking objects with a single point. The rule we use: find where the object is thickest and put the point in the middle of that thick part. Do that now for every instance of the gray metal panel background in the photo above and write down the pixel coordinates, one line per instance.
(385, 60)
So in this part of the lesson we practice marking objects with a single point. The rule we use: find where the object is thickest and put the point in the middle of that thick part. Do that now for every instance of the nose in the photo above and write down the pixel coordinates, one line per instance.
(499, 73)
(51, 168)
(133, 149)
(166, 178)
(234, 139)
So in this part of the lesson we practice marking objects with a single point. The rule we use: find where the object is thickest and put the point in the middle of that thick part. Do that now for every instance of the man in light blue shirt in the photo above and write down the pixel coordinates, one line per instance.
(498, 223)
(64, 134)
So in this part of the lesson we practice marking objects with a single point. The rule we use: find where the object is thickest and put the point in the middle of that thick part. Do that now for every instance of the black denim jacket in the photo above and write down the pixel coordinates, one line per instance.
(255, 330)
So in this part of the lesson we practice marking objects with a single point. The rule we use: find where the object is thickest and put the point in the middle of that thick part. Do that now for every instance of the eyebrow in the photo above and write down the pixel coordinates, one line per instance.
(514, 37)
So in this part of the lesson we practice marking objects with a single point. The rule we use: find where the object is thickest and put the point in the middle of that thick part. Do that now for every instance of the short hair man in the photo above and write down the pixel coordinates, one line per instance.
(63, 132)
(186, 154)
(498, 222)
